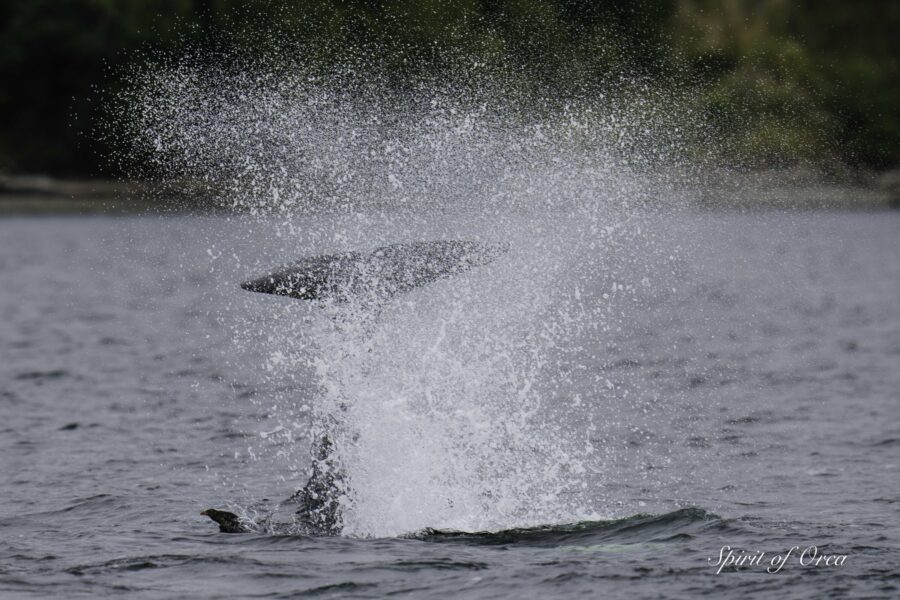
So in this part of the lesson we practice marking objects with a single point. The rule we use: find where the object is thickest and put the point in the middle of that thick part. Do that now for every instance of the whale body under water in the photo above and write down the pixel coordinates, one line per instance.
(374, 277)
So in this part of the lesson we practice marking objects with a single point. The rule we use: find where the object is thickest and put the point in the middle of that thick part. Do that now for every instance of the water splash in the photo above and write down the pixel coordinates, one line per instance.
(477, 403)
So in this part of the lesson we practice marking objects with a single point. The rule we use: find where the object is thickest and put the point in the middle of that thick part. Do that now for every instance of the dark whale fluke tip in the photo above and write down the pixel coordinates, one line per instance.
(251, 286)
(228, 521)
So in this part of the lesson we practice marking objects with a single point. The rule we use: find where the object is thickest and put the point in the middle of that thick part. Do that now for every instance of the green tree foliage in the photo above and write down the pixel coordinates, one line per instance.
(781, 80)
(801, 80)
(52, 54)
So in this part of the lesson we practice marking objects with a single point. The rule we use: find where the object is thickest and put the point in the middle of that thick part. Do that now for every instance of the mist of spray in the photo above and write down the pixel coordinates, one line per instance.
(476, 402)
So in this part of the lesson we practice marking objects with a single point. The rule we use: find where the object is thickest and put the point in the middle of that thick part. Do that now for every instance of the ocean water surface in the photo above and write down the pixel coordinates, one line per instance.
(593, 415)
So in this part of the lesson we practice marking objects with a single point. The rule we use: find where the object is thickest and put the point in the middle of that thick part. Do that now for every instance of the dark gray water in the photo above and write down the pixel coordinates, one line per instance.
(753, 403)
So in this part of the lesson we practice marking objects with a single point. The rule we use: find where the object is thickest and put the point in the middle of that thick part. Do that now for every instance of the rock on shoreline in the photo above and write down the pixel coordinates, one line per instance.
(718, 189)
(42, 194)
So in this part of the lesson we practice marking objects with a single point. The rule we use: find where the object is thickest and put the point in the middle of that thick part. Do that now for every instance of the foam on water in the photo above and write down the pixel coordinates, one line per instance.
(455, 403)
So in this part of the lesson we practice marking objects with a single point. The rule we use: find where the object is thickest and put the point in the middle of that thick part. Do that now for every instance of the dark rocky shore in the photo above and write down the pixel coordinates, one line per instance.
(30, 194)
(39, 194)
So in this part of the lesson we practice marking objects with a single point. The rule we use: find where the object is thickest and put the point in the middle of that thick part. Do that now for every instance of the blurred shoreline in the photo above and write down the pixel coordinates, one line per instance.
(779, 189)
(41, 194)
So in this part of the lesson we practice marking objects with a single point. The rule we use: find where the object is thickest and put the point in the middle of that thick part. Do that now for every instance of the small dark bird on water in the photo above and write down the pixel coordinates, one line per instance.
(228, 521)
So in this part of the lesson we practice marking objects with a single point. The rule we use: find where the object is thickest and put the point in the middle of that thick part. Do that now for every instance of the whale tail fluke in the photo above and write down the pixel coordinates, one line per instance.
(383, 273)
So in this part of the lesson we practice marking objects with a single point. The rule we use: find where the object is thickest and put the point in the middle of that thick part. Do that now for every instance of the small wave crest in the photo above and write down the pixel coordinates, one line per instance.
(640, 528)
